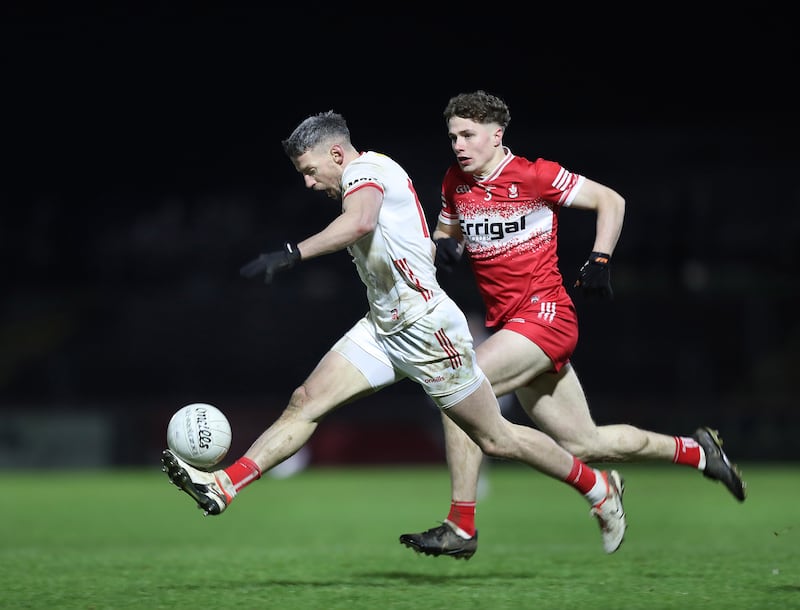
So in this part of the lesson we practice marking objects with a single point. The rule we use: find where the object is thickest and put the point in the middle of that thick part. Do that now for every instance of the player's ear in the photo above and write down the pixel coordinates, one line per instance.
(337, 154)
(497, 136)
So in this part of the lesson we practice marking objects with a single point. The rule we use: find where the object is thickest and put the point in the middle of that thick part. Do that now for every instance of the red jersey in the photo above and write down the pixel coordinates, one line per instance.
(509, 221)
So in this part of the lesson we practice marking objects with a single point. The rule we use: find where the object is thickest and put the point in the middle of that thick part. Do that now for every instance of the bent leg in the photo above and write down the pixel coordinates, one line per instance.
(557, 405)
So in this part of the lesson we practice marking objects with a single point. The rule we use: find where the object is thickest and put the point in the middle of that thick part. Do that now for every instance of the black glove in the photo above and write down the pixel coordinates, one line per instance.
(272, 262)
(594, 278)
(448, 253)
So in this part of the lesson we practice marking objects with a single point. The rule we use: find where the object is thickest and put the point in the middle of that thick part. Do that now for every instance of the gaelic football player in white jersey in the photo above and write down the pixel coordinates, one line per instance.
(412, 330)
(503, 211)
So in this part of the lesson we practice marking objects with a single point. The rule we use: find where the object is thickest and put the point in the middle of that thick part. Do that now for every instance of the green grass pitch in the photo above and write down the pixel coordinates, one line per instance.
(328, 538)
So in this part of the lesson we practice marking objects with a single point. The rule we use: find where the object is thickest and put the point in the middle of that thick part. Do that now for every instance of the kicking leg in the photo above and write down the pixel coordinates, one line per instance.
(354, 367)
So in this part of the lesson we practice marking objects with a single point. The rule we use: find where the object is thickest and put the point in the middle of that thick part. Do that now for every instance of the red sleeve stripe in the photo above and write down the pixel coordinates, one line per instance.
(374, 185)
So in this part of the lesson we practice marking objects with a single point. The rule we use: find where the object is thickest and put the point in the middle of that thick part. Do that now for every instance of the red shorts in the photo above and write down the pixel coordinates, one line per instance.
(552, 325)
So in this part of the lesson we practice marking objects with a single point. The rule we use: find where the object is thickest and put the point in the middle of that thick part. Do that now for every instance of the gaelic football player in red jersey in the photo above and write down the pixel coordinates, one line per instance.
(502, 210)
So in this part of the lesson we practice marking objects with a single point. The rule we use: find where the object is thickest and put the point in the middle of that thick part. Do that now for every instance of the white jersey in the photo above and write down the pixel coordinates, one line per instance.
(395, 261)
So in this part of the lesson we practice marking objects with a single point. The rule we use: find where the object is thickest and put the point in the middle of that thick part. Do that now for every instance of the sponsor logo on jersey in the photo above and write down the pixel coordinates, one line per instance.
(488, 231)
(352, 183)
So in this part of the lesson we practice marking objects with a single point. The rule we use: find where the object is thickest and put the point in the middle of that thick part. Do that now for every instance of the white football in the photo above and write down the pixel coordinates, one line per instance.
(199, 434)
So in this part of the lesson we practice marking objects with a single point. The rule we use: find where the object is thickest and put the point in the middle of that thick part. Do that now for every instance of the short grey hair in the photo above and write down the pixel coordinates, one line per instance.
(315, 130)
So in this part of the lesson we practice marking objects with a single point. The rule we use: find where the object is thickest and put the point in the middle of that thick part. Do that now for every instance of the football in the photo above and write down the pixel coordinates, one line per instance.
(199, 434)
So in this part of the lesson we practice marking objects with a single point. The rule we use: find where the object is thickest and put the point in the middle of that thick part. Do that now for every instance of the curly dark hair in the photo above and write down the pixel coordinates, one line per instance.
(480, 107)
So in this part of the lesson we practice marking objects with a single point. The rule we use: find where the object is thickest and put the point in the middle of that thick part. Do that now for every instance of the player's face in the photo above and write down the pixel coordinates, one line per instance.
(477, 146)
(320, 171)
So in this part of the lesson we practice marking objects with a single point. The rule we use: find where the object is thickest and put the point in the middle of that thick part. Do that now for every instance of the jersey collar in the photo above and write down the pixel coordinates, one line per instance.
(498, 169)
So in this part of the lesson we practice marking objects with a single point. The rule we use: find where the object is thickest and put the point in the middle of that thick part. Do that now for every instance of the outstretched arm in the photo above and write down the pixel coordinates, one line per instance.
(359, 217)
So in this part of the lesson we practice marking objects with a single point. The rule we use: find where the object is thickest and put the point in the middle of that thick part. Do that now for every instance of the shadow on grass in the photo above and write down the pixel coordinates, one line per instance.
(383, 579)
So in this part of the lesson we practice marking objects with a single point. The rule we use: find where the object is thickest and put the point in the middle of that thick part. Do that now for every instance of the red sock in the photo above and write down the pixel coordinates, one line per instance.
(581, 477)
(462, 514)
(687, 451)
(243, 472)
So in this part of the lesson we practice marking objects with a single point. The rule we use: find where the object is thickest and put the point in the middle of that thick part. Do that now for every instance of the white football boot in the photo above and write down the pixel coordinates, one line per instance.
(212, 491)
(609, 512)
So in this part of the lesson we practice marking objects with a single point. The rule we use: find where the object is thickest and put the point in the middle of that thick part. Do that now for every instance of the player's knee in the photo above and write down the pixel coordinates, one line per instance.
(490, 447)
(298, 402)
(305, 406)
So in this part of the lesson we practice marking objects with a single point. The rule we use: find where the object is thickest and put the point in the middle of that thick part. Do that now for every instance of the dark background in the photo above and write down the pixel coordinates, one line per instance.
(143, 166)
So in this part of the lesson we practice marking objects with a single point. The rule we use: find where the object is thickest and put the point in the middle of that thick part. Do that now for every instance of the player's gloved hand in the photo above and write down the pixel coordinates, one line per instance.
(594, 278)
(272, 262)
(448, 253)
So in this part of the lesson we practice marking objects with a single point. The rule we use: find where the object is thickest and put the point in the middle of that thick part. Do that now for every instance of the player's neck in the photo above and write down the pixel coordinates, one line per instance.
(491, 165)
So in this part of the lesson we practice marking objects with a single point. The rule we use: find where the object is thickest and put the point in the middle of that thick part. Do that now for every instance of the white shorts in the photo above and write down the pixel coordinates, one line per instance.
(436, 352)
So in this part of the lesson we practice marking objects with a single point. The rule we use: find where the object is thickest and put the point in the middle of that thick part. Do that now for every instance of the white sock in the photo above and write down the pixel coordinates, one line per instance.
(599, 492)
(702, 463)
